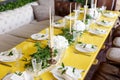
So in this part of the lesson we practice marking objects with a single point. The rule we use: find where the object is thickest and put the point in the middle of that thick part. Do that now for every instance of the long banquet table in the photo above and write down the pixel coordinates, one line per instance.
(79, 60)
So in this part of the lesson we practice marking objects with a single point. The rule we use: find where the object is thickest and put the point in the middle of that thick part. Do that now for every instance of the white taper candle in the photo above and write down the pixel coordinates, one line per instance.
(95, 4)
(86, 2)
(70, 17)
(52, 31)
(75, 12)
(50, 35)
(92, 2)
(85, 12)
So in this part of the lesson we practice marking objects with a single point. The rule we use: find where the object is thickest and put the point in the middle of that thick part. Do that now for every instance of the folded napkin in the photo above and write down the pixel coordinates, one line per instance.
(70, 73)
(9, 56)
(24, 76)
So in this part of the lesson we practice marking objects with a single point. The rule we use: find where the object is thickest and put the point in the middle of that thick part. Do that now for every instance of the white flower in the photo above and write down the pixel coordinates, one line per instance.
(103, 8)
(60, 42)
(93, 13)
(79, 26)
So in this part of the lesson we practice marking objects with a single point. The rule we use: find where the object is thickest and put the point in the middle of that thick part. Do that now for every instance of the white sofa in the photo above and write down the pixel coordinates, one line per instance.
(18, 24)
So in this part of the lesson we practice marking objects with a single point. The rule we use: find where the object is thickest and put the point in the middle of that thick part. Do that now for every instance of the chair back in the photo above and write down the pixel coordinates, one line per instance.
(62, 8)
(110, 4)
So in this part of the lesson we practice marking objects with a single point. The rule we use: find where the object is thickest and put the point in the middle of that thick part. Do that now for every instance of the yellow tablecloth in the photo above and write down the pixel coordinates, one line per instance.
(79, 60)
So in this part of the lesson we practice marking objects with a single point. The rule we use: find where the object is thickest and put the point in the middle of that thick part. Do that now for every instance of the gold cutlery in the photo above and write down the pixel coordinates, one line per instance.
(76, 52)
(2, 63)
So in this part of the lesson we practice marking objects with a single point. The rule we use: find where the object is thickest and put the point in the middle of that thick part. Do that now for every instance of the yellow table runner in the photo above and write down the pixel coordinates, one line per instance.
(79, 60)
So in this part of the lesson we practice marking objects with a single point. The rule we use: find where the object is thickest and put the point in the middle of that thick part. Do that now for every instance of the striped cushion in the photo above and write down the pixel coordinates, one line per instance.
(113, 54)
(116, 42)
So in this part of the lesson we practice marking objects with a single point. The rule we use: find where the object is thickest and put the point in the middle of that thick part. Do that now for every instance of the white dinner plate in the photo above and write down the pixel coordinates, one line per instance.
(70, 18)
(58, 25)
(6, 56)
(82, 48)
(79, 11)
(104, 23)
(39, 36)
(97, 31)
(109, 14)
(68, 74)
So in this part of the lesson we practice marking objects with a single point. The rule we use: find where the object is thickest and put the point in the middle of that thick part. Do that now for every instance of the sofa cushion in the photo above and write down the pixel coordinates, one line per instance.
(34, 27)
(46, 22)
(48, 3)
(116, 42)
(9, 41)
(12, 19)
(26, 31)
(113, 54)
(41, 12)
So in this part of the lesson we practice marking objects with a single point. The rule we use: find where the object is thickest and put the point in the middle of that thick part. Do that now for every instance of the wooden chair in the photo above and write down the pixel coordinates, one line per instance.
(62, 8)
(107, 71)
(110, 4)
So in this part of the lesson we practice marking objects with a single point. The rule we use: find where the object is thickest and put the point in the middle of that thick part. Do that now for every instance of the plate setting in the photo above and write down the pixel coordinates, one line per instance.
(104, 23)
(109, 14)
(70, 17)
(58, 24)
(97, 31)
(66, 72)
(79, 11)
(19, 76)
(11, 55)
(85, 48)
(39, 36)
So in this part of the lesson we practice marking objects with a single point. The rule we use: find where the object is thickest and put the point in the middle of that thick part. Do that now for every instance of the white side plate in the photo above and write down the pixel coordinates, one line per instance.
(79, 11)
(110, 15)
(58, 25)
(85, 49)
(68, 75)
(97, 31)
(70, 18)
(105, 23)
(5, 57)
(39, 36)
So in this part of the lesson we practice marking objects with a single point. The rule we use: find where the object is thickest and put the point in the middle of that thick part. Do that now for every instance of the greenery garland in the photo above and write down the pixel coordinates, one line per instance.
(67, 35)
(42, 56)
(14, 4)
